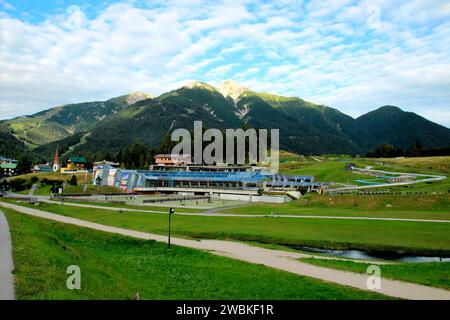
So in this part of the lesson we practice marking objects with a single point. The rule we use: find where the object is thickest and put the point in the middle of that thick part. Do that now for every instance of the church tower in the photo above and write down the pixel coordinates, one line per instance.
(56, 165)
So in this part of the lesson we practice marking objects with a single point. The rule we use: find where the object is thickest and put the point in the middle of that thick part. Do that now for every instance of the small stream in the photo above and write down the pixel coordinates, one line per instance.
(366, 255)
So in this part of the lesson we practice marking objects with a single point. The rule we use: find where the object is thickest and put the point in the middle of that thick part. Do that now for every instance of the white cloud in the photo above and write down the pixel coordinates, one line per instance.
(6, 5)
(323, 52)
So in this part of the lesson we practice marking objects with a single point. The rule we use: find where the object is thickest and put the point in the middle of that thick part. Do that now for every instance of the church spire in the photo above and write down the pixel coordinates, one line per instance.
(56, 165)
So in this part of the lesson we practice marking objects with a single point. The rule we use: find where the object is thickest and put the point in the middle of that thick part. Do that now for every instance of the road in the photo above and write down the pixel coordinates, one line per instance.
(6, 261)
(282, 260)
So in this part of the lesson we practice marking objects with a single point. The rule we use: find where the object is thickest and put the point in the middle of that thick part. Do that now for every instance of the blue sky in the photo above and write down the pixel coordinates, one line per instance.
(351, 55)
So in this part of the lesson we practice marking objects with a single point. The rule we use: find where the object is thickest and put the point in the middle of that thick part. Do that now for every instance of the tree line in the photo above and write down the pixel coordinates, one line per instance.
(414, 150)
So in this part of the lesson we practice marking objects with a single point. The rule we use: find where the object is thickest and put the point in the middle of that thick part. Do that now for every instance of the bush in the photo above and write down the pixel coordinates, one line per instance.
(19, 184)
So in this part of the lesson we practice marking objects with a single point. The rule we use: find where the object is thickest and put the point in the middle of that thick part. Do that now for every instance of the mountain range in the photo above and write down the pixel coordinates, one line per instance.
(105, 127)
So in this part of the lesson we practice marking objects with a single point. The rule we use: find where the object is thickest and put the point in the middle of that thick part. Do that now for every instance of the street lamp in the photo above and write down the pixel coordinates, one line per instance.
(171, 212)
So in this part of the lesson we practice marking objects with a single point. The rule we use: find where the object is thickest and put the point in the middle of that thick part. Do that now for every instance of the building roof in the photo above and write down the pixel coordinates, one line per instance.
(3, 159)
(204, 176)
(43, 168)
(104, 162)
(7, 165)
(175, 156)
(78, 159)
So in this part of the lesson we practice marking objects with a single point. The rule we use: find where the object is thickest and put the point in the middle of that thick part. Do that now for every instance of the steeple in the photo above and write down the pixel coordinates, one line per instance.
(56, 165)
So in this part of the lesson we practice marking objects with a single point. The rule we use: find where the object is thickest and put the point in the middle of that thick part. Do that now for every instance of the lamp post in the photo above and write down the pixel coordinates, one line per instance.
(171, 212)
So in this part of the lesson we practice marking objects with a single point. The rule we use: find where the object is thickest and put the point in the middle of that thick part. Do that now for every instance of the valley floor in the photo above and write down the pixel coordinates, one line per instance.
(273, 258)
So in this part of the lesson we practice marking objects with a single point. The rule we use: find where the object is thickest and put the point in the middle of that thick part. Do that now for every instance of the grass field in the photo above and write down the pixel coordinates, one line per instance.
(117, 267)
(384, 206)
(325, 171)
(436, 274)
(331, 169)
(301, 208)
(413, 237)
(419, 164)
(82, 178)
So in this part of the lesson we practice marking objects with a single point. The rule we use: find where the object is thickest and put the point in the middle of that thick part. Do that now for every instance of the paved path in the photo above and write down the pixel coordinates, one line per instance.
(215, 213)
(6, 261)
(277, 259)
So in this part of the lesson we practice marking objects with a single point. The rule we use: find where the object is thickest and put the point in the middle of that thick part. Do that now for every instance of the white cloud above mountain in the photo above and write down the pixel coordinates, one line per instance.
(351, 55)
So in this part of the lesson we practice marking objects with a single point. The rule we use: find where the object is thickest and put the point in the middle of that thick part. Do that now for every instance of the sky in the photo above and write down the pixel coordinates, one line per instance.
(351, 55)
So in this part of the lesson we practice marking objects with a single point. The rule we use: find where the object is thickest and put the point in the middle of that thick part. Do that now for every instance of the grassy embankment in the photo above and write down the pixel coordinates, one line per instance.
(422, 200)
(436, 207)
(435, 274)
(82, 180)
(327, 170)
(117, 267)
(134, 207)
(425, 238)
(384, 206)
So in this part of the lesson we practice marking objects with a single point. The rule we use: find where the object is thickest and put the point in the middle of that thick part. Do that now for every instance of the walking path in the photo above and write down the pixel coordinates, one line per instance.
(277, 259)
(215, 213)
(6, 261)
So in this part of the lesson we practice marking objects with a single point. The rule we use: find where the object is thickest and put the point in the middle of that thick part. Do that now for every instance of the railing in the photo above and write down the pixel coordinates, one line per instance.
(176, 199)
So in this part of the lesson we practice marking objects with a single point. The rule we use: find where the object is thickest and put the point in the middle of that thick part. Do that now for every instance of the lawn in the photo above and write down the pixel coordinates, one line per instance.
(81, 177)
(325, 171)
(419, 164)
(351, 205)
(117, 267)
(413, 237)
(436, 274)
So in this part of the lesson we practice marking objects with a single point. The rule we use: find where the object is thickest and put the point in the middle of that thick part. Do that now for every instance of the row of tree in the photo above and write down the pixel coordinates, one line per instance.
(415, 150)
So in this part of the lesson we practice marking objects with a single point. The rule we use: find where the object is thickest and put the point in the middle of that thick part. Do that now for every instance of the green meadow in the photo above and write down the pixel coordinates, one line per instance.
(352, 205)
(400, 236)
(117, 267)
(435, 274)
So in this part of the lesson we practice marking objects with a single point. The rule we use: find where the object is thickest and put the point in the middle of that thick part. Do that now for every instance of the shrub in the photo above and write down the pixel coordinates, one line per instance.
(73, 181)
(18, 184)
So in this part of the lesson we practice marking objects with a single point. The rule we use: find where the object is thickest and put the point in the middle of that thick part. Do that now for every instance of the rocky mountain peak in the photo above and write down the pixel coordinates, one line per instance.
(136, 97)
(231, 88)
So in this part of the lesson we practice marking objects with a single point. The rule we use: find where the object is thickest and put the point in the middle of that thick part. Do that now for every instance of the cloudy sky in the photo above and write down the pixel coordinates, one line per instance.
(351, 55)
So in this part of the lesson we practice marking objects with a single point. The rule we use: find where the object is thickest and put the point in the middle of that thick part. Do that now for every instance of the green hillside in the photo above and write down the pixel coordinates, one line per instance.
(61, 122)
(391, 125)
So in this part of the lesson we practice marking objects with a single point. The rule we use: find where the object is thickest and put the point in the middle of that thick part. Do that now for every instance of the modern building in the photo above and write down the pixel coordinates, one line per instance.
(104, 172)
(250, 182)
(200, 182)
(98, 164)
(192, 167)
(172, 175)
